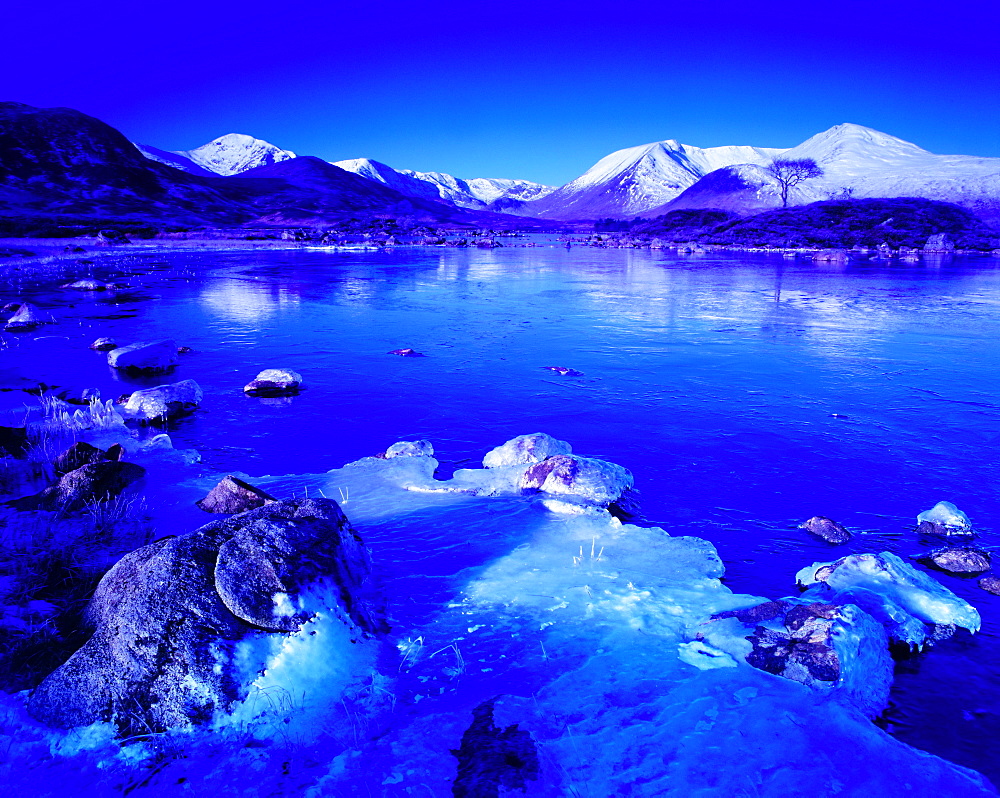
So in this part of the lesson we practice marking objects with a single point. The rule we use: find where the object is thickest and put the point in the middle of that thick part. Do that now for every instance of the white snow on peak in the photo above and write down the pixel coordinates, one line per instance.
(636, 179)
(475, 193)
(234, 153)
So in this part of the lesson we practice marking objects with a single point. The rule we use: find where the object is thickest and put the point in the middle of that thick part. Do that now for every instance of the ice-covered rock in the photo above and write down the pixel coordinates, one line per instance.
(104, 345)
(825, 646)
(960, 560)
(410, 449)
(167, 618)
(274, 382)
(156, 357)
(162, 402)
(826, 529)
(525, 449)
(27, 317)
(233, 495)
(594, 481)
(88, 484)
(944, 518)
(909, 603)
(87, 285)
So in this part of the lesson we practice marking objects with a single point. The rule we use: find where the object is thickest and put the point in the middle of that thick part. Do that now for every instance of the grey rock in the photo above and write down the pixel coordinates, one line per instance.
(94, 482)
(77, 455)
(156, 357)
(826, 529)
(959, 560)
(104, 345)
(406, 353)
(594, 481)
(991, 584)
(233, 495)
(940, 242)
(525, 449)
(167, 617)
(27, 317)
(274, 382)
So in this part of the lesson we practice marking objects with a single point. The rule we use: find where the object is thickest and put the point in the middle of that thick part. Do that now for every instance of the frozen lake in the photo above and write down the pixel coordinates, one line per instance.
(745, 393)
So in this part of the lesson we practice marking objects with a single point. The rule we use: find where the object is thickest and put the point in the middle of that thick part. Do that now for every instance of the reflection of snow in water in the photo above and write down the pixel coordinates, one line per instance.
(245, 301)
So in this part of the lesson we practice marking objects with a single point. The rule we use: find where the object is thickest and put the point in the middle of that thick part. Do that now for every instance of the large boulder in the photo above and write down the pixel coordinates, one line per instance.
(167, 618)
(150, 405)
(233, 495)
(274, 382)
(939, 242)
(409, 449)
(94, 482)
(156, 357)
(525, 449)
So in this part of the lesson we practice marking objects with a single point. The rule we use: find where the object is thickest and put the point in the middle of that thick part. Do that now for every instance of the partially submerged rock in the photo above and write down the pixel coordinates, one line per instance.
(991, 584)
(826, 529)
(77, 455)
(167, 617)
(151, 405)
(233, 495)
(27, 317)
(87, 285)
(960, 560)
(104, 345)
(88, 484)
(406, 353)
(156, 357)
(564, 371)
(274, 382)
(944, 518)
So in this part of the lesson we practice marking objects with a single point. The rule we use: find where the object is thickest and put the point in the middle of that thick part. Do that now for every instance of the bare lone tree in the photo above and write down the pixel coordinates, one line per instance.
(790, 172)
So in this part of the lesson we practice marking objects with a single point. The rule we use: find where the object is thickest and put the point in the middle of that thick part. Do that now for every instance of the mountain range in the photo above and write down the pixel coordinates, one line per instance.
(61, 162)
(655, 178)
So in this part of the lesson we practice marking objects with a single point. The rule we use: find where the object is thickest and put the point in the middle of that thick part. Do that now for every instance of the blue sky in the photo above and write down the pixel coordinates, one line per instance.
(516, 89)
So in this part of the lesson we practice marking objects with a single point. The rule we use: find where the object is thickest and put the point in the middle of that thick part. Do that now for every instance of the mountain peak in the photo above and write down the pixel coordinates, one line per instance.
(234, 153)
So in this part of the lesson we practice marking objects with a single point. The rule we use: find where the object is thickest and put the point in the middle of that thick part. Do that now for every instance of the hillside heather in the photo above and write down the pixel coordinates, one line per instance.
(898, 222)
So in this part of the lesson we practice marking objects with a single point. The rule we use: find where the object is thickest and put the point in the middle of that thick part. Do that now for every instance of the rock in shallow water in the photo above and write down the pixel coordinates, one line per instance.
(944, 518)
(406, 353)
(960, 560)
(104, 345)
(156, 357)
(162, 402)
(826, 529)
(233, 495)
(525, 449)
(166, 618)
(274, 382)
(27, 318)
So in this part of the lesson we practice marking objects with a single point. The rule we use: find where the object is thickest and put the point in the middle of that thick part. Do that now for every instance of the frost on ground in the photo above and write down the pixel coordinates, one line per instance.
(581, 656)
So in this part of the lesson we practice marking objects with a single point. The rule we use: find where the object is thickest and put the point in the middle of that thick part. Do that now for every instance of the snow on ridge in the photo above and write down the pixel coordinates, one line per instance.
(234, 153)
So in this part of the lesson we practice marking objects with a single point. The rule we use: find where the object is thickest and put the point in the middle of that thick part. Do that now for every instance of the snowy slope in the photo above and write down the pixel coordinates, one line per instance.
(874, 164)
(859, 162)
(476, 193)
(631, 181)
(226, 155)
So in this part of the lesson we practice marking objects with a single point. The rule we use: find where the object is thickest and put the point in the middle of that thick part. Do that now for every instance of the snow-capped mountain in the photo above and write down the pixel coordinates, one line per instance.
(859, 162)
(631, 181)
(227, 155)
(476, 193)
